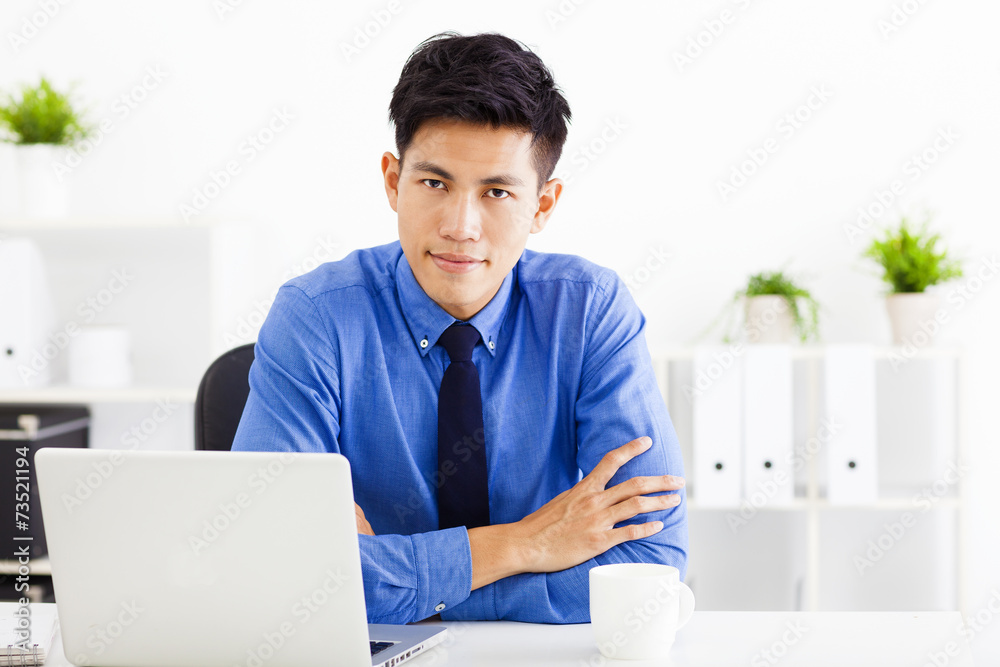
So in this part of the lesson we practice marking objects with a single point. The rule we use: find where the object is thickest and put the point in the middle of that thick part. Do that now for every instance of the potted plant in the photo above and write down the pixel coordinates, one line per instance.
(775, 308)
(911, 263)
(42, 122)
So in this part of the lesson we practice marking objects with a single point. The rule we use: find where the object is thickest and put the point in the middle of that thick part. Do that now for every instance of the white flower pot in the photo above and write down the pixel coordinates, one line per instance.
(10, 200)
(768, 320)
(911, 315)
(43, 193)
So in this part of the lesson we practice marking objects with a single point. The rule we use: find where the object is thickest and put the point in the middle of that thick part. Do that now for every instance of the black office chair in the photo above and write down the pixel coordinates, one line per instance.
(222, 395)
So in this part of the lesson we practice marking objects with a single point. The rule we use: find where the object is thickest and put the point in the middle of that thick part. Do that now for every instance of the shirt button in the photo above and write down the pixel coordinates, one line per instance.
(439, 607)
(492, 345)
(423, 343)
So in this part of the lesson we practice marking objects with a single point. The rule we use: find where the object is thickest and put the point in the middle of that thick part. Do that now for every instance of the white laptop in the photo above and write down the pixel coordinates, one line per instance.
(234, 559)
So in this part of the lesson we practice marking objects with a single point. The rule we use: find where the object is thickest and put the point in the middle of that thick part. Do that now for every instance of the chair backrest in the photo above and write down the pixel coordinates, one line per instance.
(221, 398)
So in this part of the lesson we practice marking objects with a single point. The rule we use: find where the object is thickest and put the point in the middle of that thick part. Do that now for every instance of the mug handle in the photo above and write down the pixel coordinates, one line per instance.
(685, 605)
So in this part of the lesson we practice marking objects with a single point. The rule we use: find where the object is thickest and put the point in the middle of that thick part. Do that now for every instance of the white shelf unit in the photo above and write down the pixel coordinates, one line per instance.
(185, 288)
(188, 288)
(809, 501)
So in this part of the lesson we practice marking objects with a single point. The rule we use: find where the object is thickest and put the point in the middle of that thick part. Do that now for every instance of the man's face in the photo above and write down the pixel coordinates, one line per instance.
(466, 200)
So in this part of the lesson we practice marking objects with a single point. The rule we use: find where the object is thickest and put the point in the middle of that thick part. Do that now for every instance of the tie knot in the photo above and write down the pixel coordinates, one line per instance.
(458, 340)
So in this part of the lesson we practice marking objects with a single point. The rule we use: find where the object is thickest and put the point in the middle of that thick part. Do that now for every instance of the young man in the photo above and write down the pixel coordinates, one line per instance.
(498, 405)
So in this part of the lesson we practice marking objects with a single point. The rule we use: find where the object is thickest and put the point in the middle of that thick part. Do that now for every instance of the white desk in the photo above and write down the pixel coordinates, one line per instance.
(724, 638)
(714, 639)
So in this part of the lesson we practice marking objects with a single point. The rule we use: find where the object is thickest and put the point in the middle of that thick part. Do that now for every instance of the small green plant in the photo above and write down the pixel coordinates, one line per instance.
(778, 284)
(41, 115)
(774, 283)
(909, 259)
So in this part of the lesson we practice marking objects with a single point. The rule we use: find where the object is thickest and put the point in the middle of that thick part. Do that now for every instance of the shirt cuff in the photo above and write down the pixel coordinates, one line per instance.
(444, 581)
(479, 606)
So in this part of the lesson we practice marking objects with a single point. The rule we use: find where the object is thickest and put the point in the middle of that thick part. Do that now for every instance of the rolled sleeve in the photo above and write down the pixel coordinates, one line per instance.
(409, 577)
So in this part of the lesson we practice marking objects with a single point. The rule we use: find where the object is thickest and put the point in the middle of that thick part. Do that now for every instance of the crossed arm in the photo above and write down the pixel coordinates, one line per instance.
(574, 526)
(534, 569)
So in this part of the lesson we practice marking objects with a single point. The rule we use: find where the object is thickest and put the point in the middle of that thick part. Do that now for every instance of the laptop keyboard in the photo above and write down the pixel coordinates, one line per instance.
(378, 647)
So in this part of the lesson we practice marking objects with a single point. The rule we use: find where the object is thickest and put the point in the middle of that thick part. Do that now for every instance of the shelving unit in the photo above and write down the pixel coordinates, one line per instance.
(189, 285)
(187, 288)
(809, 500)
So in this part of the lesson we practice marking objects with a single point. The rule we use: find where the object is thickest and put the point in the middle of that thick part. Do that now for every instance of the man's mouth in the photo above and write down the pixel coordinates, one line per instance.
(453, 263)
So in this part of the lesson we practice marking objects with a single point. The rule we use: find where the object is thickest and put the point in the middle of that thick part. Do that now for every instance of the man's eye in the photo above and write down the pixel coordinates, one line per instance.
(497, 193)
(434, 183)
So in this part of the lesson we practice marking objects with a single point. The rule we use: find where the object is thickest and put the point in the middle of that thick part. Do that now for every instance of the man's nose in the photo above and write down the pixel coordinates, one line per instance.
(462, 220)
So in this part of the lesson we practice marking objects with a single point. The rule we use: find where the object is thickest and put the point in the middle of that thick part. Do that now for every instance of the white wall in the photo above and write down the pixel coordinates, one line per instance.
(677, 131)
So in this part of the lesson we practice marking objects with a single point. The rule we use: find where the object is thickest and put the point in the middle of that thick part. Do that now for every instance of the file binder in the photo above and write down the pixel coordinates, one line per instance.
(768, 474)
(717, 426)
(850, 436)
(27, 316)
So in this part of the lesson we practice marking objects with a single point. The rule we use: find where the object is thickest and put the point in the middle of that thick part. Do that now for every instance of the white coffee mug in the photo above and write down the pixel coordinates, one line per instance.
(637, 608)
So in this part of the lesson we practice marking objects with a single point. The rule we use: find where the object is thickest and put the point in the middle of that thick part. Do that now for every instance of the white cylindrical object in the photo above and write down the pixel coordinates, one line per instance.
(912, 315)
(101, 357)
(637, 608)
(769, 320)
(43, 191)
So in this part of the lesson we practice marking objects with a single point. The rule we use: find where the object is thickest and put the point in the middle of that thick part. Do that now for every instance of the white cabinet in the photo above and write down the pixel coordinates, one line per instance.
(902, 551)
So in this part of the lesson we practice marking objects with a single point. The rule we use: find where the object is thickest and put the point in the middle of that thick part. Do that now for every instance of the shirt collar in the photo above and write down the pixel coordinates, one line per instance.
(427, 320)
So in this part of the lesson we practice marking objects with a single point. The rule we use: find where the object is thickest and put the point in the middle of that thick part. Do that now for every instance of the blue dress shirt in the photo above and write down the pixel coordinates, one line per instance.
(346, 362)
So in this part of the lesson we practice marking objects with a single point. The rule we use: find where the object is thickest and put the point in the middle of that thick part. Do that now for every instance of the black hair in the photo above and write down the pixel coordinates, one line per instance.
(484, 79)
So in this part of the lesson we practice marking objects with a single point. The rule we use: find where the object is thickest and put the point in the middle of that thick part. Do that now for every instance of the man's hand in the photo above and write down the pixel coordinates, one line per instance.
(578, 524)
(364, 528)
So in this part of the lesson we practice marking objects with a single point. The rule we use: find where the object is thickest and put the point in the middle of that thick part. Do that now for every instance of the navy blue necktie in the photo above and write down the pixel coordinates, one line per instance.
(463, 494)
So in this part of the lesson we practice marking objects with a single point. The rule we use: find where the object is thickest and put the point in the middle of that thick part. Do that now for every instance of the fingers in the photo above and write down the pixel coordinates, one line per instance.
(635, 531)
(642, 504)
(364, 528)
(639, 486)
(616, 458)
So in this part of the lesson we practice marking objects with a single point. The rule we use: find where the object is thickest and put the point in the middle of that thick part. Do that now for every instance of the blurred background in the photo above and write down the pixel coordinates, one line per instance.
(238, 145)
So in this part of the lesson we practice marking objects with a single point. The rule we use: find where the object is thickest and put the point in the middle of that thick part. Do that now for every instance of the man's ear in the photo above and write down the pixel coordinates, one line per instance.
(390, 174)
(546, 204)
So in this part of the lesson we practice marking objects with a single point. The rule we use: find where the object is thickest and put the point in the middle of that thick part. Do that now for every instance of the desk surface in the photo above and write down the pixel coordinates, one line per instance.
(714, 638)
(726, 638)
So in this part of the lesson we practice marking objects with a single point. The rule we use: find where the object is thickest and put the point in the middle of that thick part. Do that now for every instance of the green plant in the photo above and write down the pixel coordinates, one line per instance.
(42, 115)
(909, 259)
(778, 284)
